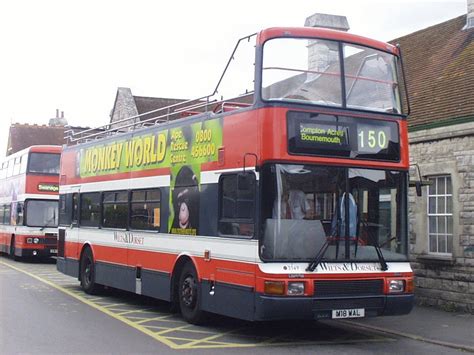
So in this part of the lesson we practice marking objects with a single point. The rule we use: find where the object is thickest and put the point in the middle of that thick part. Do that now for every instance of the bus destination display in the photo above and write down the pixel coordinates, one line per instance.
(343, 136)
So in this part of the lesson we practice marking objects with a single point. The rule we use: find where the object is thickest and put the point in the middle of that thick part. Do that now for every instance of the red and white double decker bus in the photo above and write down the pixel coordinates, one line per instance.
(288, 201)
(29, 186)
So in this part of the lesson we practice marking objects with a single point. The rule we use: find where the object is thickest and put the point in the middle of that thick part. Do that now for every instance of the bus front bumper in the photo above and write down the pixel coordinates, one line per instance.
(275, 308)
(35, 252)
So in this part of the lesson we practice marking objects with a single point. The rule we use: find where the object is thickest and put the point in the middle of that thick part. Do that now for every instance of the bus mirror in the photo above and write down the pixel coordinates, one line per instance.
(418, 185)
(245, 181)
(418, 188)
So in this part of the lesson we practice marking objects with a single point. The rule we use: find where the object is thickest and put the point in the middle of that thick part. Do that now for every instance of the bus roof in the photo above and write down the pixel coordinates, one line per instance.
(324, 33)
(37, 149)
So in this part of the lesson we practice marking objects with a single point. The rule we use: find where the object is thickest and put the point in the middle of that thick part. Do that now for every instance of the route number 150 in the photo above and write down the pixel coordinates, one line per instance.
(372, 139)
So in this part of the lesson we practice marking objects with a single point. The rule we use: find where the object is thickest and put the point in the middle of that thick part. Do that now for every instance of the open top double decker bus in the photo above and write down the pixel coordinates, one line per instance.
(288, 201)
(29, 187)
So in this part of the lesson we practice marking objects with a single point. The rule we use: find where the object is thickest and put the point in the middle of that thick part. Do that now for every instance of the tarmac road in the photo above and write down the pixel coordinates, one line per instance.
(45, 312)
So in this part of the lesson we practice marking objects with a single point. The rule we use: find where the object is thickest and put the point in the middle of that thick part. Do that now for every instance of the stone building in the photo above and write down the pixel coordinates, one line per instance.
(135, 108)
(439, 65)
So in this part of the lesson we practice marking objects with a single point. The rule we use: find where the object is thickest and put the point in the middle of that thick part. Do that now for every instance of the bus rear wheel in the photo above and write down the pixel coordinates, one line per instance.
(87, 273)
(189, 293)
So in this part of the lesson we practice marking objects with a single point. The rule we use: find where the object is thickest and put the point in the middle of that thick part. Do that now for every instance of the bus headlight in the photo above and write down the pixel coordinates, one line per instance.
(36, 240)
(295, 289)
(396, 286)
(29, 240)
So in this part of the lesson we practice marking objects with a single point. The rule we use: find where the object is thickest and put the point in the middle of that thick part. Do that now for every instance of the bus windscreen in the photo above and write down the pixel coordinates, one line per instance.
(44, 163)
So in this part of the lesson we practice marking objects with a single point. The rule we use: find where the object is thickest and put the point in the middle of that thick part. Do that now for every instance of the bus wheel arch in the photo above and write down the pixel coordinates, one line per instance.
(186, 290)
(177, 269)
(87, 271)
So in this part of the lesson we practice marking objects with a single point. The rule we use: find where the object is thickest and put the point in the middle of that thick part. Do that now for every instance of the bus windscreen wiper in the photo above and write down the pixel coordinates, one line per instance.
(383, 263)
(317, 259)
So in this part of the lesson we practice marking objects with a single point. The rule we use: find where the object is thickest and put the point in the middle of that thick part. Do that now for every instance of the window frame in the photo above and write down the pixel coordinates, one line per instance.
(16, 166)
(251, 221)
(20, 216)
(10, 167)
(2, 214)
(31, 160)
(23, 163)
(65, 214)
(81, 220)
(7, 214)
(103, 204)
(437, 215)
(130, 210)
(27, 206)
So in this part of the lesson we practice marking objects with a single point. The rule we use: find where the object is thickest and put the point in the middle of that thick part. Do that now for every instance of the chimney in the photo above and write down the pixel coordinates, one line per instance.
(322, 54)
(58, 120)
(333, 22)
(470, 15)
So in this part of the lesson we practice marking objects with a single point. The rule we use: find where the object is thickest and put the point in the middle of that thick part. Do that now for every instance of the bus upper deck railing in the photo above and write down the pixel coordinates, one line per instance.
(160, 116)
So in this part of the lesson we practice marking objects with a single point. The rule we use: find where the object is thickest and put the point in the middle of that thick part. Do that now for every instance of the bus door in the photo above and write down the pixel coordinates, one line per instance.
(68, 231)
(235, 280)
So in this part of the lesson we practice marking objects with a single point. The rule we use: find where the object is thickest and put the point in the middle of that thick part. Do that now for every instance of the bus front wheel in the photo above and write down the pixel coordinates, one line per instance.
(189, 293)
(87, 273)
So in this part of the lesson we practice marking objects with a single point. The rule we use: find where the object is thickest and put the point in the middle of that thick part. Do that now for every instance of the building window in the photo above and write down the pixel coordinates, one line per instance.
(145, 209)
(440, 215)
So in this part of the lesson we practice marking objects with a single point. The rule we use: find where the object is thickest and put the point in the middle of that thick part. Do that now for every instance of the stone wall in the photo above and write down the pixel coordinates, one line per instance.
(445, 281)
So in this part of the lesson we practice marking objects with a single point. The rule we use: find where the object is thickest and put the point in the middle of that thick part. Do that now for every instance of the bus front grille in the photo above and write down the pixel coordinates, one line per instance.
(347, 288)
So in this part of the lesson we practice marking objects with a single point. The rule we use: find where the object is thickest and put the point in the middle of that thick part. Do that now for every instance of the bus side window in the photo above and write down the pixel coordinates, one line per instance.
(90, 209)
(2, 214)
(10, 168)
(16, 166)
(145, 209)
(23, 163)
(6, 214)
(65, 209)
(115, 209)
(19, 214)
(3, 171)
(237, 204)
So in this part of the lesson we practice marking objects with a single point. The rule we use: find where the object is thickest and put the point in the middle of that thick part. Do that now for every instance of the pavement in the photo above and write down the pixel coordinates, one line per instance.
(452, 329)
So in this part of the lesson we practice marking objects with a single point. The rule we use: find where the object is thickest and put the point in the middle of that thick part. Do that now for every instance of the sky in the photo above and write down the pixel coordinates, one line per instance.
(72, 55)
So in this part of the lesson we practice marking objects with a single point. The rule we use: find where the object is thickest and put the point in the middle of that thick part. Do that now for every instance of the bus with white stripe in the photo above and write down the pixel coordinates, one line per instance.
(29, 186)
(288, 201)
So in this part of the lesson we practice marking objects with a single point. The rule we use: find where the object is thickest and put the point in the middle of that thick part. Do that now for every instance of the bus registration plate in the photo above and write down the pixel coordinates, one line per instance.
(348, 313)
(53, 251)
